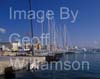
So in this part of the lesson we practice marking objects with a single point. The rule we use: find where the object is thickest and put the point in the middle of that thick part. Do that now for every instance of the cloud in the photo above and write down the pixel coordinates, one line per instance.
(2, 30)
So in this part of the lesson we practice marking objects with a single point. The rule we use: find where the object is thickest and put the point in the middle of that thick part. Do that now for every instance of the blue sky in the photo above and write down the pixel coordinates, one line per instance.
(84, 32)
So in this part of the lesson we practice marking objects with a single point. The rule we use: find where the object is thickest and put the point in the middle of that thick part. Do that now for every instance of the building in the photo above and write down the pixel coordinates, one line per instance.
(5, 46)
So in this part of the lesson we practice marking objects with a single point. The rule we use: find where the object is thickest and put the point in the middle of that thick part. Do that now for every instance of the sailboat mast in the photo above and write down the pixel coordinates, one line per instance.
(54, 35)
(65, 38)
(49, 45)
(60, 36)
(31, 24)
(42, 45)
(42, 27)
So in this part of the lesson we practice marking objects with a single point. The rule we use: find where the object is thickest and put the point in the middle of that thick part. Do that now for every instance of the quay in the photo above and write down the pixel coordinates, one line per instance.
(18, 63)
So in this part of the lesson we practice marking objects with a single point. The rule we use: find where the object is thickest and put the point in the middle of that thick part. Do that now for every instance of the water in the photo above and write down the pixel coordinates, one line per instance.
(92, 73)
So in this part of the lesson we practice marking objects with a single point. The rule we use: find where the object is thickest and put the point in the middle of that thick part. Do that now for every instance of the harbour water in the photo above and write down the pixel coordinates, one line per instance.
(92, 73)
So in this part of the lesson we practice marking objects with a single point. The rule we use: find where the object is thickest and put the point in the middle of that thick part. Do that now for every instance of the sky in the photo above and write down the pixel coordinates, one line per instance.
(84, 32)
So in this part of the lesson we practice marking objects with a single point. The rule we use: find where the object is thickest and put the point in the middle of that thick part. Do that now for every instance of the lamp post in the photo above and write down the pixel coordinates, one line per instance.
(31, 24)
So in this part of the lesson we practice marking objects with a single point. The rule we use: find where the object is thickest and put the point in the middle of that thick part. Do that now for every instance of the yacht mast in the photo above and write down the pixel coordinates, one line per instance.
(65, 38)
(54, 35)
(49, 43)
(31, 24)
